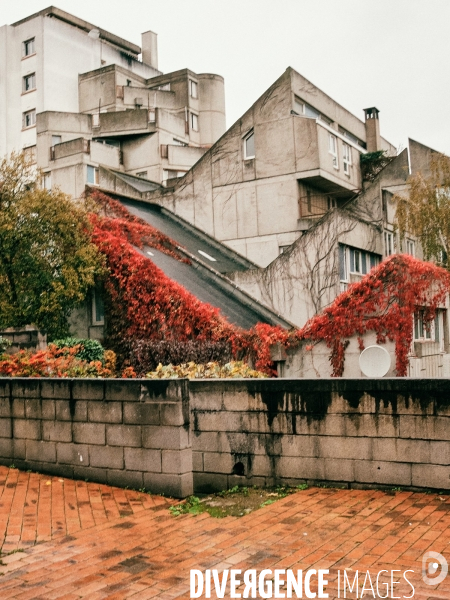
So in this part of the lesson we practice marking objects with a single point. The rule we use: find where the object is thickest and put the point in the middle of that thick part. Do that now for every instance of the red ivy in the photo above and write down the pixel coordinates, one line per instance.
(143, 303)
(384, 301)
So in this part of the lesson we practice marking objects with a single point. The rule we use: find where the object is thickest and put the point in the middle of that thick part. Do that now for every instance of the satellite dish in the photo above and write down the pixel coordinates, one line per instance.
(374, 361)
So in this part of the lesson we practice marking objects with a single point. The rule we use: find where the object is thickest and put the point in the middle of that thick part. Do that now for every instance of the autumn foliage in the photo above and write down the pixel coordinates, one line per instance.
(144, 304)
(384, 302)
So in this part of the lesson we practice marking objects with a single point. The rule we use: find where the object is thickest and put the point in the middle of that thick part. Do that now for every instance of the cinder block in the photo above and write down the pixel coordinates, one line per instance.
(72, 454)
(106, 456)
(5, 428)
(177, 486)
(339, 470)
(33, 409)
(300, 468)
(154, 390)
(122, 390)
(71, 410)
(25, 388)
(242, 401)
(261, 466)
(407, 404)
(372, 426)
(57, 431)
(89, 433)
(5, 388)
(6, 448)
(55, 470)
(105, 412)
(208, 441)
(207, 483)
(197, 461)
(140, 459)
(141, 413)
(92, 389)
(55, 389)
(341, 405)
(400, 450)
(233, 480)
(221, 421)
(392, 473)
(345, 447)
(166, 438)
(5, 407)
(18, 408)
(123, 435)
(321, 425)
(217, 463)
(439, 453)
(177, 461)
(48, 410)
(431, 476)
(204, 397)
(27, 429)
(130, 479)
(90, 474)
(172, 414)
(19, 449)
(41, 451)
(300, 445)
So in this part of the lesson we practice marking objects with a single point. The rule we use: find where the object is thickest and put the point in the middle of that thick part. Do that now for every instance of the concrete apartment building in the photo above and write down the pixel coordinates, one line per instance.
(62, 77)
(282, 188)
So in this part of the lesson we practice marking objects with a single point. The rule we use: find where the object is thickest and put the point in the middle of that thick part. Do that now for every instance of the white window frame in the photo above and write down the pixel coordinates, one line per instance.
(346, 157)
(248, 155)
(193, 88)
(95, 171)
(410, 247)
(194, 121)
(31, 116)
(388, 243)
(332, 149)
(29, 83)
(26, 47)
(47, 180)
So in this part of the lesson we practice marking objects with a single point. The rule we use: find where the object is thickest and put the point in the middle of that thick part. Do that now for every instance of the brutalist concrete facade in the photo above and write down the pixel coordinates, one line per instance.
(176, 437)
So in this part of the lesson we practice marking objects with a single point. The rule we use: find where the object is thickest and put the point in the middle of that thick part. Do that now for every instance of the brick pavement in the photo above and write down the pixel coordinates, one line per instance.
(103, 542)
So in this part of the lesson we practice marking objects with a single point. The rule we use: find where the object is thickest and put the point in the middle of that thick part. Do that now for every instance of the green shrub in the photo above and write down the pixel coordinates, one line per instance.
(90, 350)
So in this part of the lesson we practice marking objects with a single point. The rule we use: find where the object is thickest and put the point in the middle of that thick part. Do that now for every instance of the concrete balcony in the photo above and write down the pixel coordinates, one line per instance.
(124, 123)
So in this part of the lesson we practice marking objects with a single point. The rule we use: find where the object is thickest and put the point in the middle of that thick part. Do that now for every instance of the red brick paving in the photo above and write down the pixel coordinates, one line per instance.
(102, 542)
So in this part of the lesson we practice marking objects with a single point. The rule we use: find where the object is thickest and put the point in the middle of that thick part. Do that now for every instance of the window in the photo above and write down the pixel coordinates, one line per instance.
(29, 118)
(430, 331)
(346, 158)
(28, 47)
(283, 249)
(179, 142)
(356, 261)
(410, 247)
(56, 139)
(92, 175)
(249, 145)
(193, 88)
(29, 83)
(151, 115)
(98, 309)
(303, 108)
(47, 181)
(141, 174)
(331, 202)
(194, 122)
(388, 243)
(332, 149)
(172, 174)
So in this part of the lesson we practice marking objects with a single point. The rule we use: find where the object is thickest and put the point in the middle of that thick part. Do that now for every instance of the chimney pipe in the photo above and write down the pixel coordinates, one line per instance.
(373, 138)
(150, 49)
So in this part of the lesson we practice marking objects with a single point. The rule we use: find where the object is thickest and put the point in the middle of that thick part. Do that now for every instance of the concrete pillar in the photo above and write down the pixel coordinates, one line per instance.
(150, 48)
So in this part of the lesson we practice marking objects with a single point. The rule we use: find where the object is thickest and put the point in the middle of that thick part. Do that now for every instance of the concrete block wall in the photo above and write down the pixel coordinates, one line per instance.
(356, 433)
(24, 338)
(120, 432)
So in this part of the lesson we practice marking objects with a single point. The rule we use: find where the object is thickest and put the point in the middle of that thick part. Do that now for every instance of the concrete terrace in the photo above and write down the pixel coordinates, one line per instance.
(86, 540)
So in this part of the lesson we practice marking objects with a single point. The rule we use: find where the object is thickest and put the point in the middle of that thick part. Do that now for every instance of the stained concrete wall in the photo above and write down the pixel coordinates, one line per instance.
(174, 437)
(126, 433)
(357, 433)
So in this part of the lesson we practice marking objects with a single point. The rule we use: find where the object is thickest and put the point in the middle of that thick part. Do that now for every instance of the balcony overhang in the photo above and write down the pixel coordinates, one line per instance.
(327, 183)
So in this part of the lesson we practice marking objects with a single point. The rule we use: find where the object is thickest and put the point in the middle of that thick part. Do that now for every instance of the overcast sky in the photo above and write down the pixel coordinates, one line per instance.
(392, 54)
